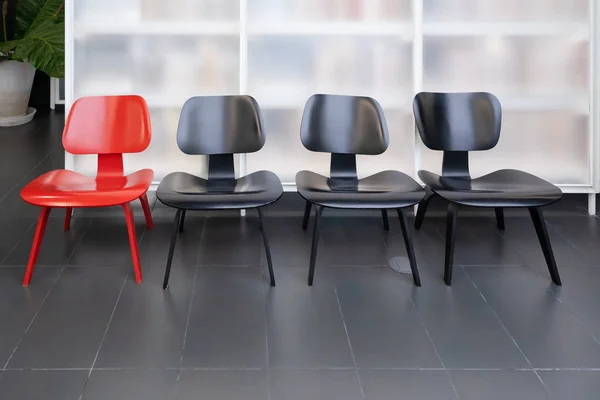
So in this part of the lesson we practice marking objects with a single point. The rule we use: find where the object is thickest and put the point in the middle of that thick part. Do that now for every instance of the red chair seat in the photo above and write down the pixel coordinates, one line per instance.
(64, 188)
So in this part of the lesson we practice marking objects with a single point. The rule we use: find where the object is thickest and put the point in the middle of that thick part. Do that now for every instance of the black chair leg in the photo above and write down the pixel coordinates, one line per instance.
(499, 218)
(542, 234)
(307, 209)
(315, 245)
(450, 237)
(176, 225)
(422, 209)
(386, 223)
(182, 221)
(267, 249)
(409, 247)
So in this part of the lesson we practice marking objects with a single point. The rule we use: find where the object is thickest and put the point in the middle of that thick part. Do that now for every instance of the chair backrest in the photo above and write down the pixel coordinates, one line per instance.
(344, 125)
(458, 121)
(107, 125)
(220, 125)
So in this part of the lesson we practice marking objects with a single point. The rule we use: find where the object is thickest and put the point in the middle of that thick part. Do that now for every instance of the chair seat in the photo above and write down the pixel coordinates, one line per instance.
(183, 190)
(65, 188)
(387, 189)
(503, 188)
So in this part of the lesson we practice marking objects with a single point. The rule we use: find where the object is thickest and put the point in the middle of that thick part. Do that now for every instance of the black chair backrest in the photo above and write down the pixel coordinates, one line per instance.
(458, 121)
(220, 125)
(344, 125)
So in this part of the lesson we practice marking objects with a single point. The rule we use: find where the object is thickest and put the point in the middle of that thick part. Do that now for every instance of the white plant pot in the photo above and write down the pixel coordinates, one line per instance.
(16, 80)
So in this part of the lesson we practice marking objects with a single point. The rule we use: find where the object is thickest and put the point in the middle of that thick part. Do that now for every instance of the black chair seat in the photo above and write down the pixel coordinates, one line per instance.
(503, 188)
(387, 189)
(190, 192)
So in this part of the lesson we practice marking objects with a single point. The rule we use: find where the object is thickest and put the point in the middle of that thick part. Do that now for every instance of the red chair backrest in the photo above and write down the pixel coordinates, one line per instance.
(107, 125)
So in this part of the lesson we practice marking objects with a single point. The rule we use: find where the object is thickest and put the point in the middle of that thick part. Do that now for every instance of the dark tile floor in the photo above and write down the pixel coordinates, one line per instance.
(84, 330)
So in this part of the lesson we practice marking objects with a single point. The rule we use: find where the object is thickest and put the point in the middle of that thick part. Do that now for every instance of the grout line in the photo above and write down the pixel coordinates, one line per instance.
(89, 226)
(34, 317)
(337, 298)
(185, 333)
(437, 353)
(506, 330)
(104, 336)
(18, 242)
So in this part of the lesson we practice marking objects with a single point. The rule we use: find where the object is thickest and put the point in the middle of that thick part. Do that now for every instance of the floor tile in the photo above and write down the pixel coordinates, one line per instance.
(580, 293)
(106, 242)
(14, 229)
(227, 322)
(57, 245)
(479, 242)
(462, 325)
(384, 327)
(235, 254)
(544, 329)
(148, 326)
(154, 249)
(406, 385)
(218, 385)
(305, 327)
(498, 385)
(580, 385)
(233, 231)
(68, 329)
(19, 305)
(131, 385)
(314, 384)
(47, 385)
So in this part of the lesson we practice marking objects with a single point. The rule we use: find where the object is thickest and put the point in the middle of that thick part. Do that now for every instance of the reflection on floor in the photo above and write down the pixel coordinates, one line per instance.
(84, 329)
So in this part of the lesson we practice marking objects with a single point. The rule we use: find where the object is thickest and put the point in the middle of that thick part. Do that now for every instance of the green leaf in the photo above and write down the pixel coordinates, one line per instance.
(31, 13)
(7, 47)
(40, 35)
(44, 47)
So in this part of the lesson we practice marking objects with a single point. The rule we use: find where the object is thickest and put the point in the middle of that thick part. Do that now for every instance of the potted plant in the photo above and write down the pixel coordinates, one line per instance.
(37, 42)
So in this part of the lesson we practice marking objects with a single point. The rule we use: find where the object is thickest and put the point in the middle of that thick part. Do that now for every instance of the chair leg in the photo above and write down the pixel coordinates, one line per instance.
(68, 214)
(176, 229)
(307, 209)
(542, 234)
(135, 256)
(182, 221)
(147, 212)
(315, 245)
(37, 243)
(499, 218)
(409, 247)
(422, 209)
(386, 223)
(267, 249)
(450, 237)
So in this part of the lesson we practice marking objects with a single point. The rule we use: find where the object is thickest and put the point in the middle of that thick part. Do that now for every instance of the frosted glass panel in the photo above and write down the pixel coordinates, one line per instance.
(165, 70)
(283, 72)
(323, 10)
(111, 10)
(156, 10)
(290, 69)
(505, 10)
(191, 10)
(508, 65)
(552, 145)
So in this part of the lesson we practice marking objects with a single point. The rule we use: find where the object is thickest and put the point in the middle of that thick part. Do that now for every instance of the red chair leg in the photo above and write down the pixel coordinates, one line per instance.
(68, 218)
(147, 212)
(37, 243)
(133, 242)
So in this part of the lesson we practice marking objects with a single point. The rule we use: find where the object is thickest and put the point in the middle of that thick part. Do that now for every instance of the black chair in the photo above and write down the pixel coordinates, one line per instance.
(219, 126)
(457, 123)
(346, 126)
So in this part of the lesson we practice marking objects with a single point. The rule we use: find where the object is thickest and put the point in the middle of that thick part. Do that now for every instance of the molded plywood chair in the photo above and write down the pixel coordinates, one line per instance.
(346, 126)
(108, 126)
(457, 123)
(219, 126)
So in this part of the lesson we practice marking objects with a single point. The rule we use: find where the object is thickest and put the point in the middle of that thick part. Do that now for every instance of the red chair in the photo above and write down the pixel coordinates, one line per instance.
(107, 126)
